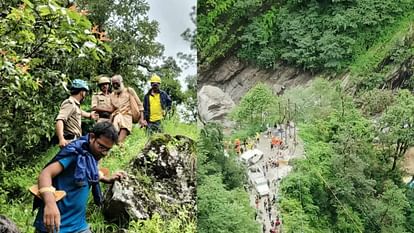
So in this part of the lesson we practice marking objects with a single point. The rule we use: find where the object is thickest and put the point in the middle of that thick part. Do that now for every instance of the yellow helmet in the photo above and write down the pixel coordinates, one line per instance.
(155, 79)
(103, 80)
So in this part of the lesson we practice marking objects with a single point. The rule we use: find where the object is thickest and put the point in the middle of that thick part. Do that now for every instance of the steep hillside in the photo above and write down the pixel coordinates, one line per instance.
(347, 67)
(368, 44)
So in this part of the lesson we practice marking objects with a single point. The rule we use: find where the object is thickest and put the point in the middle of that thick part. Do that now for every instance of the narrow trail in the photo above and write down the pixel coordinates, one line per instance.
(273, 173)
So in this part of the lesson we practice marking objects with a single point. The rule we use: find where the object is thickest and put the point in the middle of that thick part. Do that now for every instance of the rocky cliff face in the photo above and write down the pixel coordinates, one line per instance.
(235, 78)
(222, 86)
(161, 179)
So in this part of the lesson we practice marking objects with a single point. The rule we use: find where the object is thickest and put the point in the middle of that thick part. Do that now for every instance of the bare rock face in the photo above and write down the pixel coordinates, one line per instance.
(7, 225)
(161, 179)
(236, 78)
(213, 104)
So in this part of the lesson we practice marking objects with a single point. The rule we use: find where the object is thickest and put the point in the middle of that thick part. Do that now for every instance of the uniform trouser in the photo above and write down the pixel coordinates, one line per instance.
(154, 127)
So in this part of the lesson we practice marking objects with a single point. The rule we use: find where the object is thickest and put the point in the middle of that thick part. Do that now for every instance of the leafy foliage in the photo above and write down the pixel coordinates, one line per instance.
(132, 37)
(375, 101)
(254, 106)
(43, 46)
(223, 205)
(190, 105)
(387, 63)
(345, 184)
(156, 224)
(396, 126)
(313, 35)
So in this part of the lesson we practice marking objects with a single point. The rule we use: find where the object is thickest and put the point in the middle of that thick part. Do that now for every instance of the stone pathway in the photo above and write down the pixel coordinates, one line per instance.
(274, 173)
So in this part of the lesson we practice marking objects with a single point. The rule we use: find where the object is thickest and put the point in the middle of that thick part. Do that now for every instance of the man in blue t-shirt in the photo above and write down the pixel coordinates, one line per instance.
(74, 169)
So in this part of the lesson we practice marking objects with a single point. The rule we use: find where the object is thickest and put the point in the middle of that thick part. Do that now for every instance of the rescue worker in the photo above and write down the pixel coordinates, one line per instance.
(122, 116)
(238, 146)
(156, 105)
(68, 122)
(275, 142)
(101, 101)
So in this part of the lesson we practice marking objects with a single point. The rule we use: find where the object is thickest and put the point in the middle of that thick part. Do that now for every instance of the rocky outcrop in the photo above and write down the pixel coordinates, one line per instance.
(161, 179)
(235, 78)
(7, 225)
(213, 104)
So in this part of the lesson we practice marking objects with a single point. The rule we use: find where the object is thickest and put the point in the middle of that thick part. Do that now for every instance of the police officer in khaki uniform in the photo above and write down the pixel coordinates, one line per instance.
(68, 122)
(101, 102)
(122, 116)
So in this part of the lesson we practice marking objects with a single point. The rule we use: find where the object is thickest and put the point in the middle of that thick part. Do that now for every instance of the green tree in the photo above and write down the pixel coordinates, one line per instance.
(190, 104)
(254, 105)
(42, 43)
(396, 127)
(223, 211)
(311, 35)
(222, 203)
(388, 211)
(132, 36)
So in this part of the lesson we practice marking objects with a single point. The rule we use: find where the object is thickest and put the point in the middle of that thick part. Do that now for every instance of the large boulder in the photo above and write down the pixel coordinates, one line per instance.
(213, 104)
(161, 179)
(7, 225)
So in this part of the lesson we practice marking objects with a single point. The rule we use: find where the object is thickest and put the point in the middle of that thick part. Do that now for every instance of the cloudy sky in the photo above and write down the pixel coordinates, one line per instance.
(173, 17)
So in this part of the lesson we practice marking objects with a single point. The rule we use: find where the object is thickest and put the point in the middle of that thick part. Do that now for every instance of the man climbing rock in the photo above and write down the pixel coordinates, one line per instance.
(74, 170)
(156, 105)
(68, 122)
(101, 101)
(122, 116)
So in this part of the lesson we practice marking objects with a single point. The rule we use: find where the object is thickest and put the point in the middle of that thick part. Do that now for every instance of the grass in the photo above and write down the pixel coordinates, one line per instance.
(16, 201)
(390, 36)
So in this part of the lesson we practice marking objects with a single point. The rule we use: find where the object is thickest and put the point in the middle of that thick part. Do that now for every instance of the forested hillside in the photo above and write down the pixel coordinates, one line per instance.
(314, 35)
(355, 120)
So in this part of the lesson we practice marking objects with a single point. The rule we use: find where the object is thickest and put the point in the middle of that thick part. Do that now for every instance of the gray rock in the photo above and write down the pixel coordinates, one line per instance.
(161, 179)
(7, 225)
(236, 78)
(213, 104)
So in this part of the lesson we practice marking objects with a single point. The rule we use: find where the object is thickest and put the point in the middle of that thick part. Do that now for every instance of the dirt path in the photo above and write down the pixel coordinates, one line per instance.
(273, 173)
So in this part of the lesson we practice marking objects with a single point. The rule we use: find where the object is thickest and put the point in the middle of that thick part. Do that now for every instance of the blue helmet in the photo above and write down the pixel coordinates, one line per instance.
(79, 84)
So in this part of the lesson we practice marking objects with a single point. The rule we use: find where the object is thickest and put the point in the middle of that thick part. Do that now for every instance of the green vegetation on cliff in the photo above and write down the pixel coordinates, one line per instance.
(310, 34)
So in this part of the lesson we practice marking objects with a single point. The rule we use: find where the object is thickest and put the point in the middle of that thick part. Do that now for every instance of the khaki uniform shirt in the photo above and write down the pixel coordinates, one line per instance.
(101, 101)
(71, 115)
(121, 101)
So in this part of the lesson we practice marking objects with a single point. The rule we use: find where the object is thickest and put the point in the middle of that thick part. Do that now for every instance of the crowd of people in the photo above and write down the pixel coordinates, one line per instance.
(279, 137)
(75, 167)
